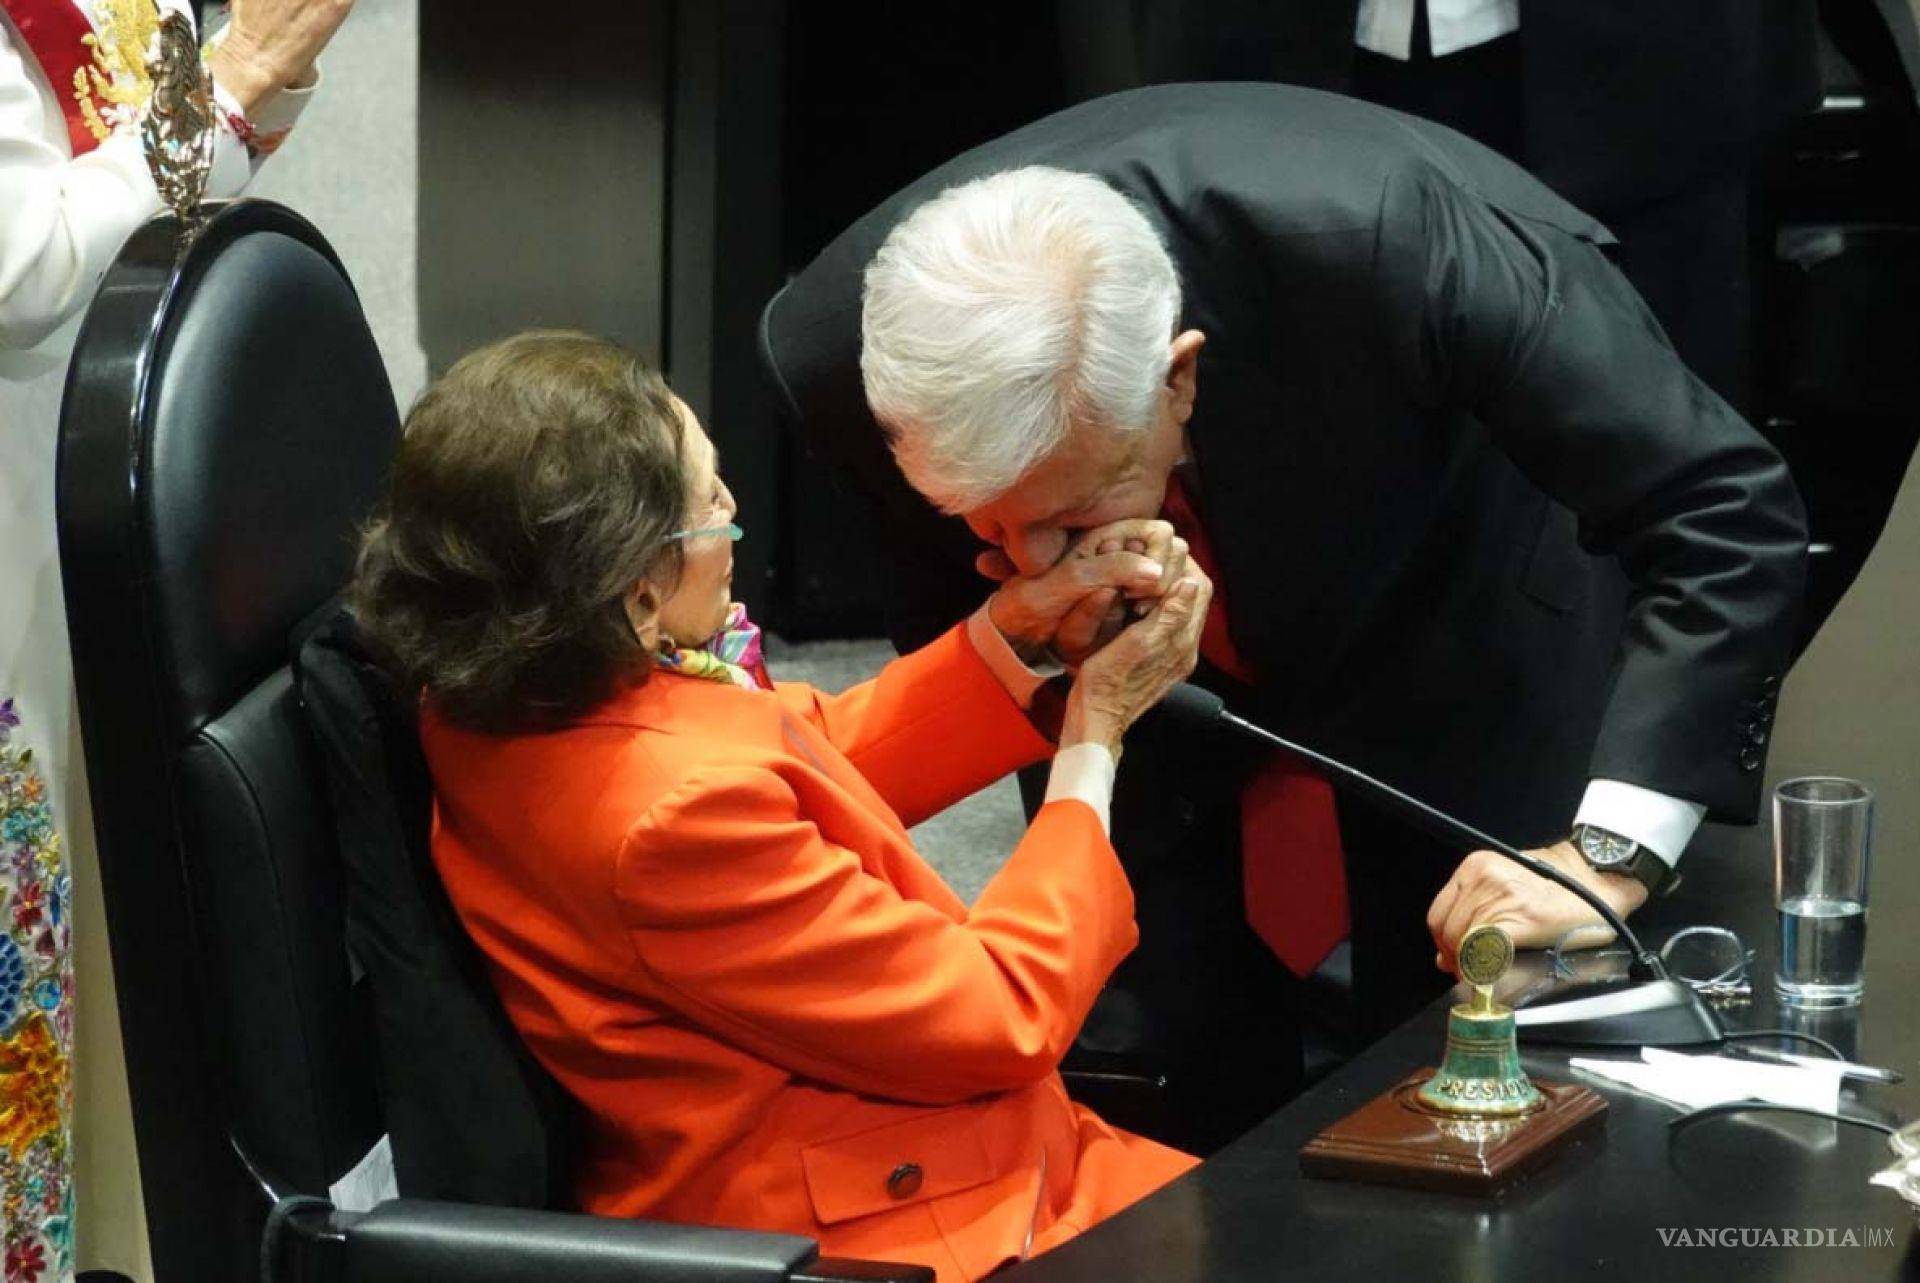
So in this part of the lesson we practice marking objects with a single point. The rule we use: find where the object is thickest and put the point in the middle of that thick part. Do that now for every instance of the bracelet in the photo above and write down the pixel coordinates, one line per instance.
(241, 128)
(237, 122)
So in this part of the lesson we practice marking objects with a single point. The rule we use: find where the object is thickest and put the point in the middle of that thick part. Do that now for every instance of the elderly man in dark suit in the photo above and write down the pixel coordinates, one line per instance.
(1474, 526)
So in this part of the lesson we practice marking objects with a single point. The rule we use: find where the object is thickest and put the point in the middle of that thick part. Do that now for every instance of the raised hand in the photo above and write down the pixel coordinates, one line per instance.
(1080, 602)
(270, 45)
(1131, 674)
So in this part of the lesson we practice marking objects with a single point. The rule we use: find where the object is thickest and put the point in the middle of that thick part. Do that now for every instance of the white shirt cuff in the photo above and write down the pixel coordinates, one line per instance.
(1662, 824)
(1084, 773)
(1007, 668)
(273, 117)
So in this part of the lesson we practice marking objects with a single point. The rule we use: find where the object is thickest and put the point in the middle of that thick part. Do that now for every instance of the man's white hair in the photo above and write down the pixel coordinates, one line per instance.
(1004, 311)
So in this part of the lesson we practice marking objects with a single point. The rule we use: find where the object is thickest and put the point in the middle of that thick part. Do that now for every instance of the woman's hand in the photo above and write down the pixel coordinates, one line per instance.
(270, 45)
(1078, 604)
(1132, 672)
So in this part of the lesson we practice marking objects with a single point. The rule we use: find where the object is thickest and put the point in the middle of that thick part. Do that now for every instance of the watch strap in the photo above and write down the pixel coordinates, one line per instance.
(1649, 869)
(1654, 873)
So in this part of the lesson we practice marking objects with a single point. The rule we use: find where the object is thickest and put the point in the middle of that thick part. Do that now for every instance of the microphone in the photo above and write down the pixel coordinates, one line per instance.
(1646, 1008)
(1199, 706)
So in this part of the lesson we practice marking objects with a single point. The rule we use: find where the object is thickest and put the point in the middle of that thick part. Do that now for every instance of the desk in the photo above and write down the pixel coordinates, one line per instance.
(1596, 1211)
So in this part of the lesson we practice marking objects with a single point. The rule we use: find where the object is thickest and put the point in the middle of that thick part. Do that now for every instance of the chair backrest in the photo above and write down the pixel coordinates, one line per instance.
(227, 427)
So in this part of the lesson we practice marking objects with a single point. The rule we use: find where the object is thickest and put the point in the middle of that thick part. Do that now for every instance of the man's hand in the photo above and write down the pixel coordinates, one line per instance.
(1149, 657)
(1080, 602)
(1488, 887)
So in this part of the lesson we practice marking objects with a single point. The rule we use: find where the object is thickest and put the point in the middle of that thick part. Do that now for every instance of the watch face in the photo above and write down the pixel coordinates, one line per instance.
(1605, 850)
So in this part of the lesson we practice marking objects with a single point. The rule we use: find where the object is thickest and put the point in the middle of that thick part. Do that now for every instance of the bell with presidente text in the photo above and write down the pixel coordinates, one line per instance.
(1477, 1123)
(1480, 1076)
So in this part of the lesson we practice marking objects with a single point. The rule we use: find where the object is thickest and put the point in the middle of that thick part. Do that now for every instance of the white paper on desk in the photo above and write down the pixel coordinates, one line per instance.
(1636, 1074)
(1805, 1086)
(370, 1183)
(1694, 1082)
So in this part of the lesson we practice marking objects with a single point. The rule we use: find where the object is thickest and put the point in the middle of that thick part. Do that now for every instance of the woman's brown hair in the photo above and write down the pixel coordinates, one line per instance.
(536, 482)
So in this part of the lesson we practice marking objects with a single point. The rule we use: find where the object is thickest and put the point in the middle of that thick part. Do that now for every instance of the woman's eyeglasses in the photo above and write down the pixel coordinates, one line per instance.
(730, 530)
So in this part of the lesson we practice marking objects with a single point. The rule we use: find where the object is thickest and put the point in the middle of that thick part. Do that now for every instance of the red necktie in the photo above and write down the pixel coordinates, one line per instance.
(1293, 873)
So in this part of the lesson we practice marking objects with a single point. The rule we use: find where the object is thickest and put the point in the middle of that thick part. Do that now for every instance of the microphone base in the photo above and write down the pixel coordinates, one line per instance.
(1619, 1012)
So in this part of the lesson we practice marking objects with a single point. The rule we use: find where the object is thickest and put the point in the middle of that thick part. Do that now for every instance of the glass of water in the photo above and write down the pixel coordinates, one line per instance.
(1822, 840)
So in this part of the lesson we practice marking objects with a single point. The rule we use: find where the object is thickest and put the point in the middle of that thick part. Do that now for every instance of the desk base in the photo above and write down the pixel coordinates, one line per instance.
(1394, 1140)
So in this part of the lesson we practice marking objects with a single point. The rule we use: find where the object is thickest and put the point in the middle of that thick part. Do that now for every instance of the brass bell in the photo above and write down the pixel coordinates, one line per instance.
(1481, 1075)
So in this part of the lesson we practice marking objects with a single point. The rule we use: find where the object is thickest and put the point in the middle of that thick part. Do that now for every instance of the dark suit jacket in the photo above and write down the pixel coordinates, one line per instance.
(1480, 531)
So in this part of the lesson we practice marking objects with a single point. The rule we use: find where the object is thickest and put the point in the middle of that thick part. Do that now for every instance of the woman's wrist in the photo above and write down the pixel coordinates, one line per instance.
(1084, 773)
(1022, 633)
(1082, 725)
(241, 77)
(304, 79)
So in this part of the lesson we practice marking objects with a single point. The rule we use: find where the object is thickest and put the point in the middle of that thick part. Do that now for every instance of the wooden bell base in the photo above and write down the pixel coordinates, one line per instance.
(1395, 1140)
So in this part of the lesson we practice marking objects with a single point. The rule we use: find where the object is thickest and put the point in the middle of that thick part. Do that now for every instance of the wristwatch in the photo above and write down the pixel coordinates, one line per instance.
(1610, 853)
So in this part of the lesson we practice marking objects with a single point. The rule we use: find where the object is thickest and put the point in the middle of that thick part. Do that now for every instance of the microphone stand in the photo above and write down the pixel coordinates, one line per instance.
(1645, 1008)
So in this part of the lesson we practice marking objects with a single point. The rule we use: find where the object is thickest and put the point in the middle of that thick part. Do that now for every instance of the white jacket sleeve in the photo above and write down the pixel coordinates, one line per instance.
(63, 218)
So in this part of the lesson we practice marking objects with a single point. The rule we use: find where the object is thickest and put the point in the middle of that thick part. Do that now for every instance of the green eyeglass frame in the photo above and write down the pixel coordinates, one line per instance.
(730, 530)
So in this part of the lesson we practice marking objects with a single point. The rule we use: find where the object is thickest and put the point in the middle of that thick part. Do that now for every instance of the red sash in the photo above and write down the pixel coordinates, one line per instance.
(1293, 869)
(55, 32)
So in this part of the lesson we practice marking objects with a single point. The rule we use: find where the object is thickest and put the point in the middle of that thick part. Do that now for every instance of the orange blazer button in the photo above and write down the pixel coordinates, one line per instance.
(904, 1180)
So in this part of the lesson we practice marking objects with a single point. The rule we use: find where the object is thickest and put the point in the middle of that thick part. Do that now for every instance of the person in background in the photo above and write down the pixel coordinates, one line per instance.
(694, 885)
(1649, 116)
(73, 179)
(73, 185)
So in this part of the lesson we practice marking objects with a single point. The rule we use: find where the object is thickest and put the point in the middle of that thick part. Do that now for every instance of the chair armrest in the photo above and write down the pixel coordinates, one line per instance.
(416, 1241)
(409, 1241)
(840, 1269)
(1126, 1089)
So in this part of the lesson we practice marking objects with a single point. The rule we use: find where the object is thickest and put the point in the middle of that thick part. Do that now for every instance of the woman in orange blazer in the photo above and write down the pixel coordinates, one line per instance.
(695, 888)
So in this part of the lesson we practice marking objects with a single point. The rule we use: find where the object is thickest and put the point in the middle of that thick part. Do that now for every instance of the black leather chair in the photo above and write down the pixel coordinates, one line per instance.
(227, 425)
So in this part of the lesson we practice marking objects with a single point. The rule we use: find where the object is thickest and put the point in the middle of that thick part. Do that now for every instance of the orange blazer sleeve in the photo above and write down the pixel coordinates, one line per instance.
(930, 728)
(746, 919)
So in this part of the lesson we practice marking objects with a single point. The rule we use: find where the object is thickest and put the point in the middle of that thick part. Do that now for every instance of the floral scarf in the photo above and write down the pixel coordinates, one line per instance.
(730, 655)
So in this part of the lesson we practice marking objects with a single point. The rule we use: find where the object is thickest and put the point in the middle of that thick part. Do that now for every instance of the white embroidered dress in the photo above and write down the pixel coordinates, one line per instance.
(63, 217)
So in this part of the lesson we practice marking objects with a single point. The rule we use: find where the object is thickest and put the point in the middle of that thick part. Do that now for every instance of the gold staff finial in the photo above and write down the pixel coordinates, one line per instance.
(177, 127)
